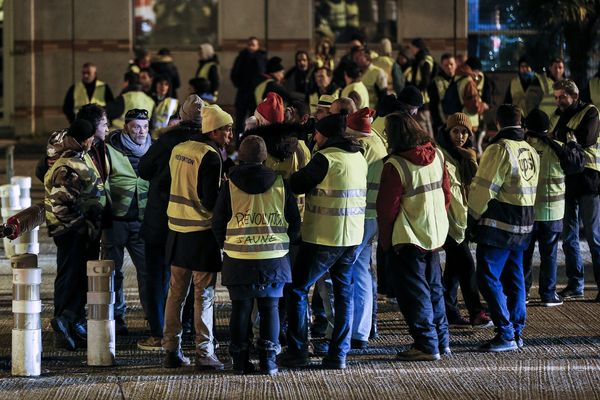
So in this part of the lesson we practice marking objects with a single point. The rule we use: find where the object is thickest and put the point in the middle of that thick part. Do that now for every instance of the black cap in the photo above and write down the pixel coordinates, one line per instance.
(525, 59)
(136, 113)
(333, 125)
(81, 130)
(474, 63)
(419, 43)
(411, 96)
(537, 121)
(274, 65)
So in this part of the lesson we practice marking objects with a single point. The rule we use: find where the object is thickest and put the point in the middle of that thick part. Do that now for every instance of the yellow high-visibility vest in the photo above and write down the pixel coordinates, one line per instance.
(80, 96)
(134, 99)
(259, 91)
(457, 213)
(185, 211)
(422, 220)
(257, 229)
(550, 193)
(123, 184)
(360, 88)
(369, 78)
(164, 111)
(205, 70)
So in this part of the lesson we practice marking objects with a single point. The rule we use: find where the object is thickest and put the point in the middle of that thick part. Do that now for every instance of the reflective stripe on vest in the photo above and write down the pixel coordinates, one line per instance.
(592, 153)
(352, 18)
(124, 183)
(547, 105)
(205, 70)
(89, 197)
(133, 100)
(360, 88)
(595, 91)
(374, 154)
(418, 78)
(185, 211)
(457, 213)
(550, 194)
(90, 163)
(257, 229)
(259, 92)
(80, 96)
(335, 209)
(369, 79)
(517, 188)
(337, 14)
(422, 220)
(164, 111)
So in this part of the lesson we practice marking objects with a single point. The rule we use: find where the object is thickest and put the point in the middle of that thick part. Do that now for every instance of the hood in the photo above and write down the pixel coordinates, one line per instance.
(281, 138)
(252, 178)
(346, 143)
(60, 144)
(509, 133)
(420, 155)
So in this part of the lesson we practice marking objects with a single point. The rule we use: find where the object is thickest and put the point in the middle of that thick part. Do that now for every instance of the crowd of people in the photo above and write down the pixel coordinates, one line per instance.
(324, 168)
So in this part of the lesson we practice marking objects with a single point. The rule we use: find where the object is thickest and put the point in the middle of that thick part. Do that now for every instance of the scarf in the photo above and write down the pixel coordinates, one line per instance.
(135, 149)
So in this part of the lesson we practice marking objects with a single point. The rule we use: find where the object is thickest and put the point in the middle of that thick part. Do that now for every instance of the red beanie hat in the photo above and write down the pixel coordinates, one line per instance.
(359, 123)
(271, 110)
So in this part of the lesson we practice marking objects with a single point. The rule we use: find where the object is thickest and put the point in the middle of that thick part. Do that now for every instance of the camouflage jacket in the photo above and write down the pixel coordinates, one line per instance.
(72, 193)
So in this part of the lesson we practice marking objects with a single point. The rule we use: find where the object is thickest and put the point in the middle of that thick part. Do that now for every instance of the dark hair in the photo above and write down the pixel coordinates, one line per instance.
(149, 71)
(446, 56)
(508, 115)
(357, 37)
(160, 78)
(252, 38)
(300, 106)
(301, 52)
(164, 52)
(557, 60)
(200, 85)
(329, 73)
(356, 49)
(89, 65)
(92, 113)
(352, 70)
(131, 78)
(404, 132)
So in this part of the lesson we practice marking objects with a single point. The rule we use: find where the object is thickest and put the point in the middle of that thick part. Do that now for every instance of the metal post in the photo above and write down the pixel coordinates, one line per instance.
(26, 306)
(101, 320)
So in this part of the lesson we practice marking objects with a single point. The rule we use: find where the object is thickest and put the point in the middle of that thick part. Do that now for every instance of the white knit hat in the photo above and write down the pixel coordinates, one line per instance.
(213, 117)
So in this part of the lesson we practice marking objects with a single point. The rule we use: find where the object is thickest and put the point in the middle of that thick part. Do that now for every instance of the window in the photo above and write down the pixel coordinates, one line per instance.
(175, 23)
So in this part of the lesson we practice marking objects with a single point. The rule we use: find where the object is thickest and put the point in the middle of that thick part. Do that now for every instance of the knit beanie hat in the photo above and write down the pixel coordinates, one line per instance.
(252, 149)
(537, 121)
(333, 125)
(213, 117)
(274, 65)
(411, 96)
(359, 123)
(459, 119)
(419, 43)
(136, 113)
(81, 130)
(191, 110)
(271, 110)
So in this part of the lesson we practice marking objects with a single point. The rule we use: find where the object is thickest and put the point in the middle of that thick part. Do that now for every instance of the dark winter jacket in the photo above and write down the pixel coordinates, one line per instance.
(586, 134)
(154, 167)
(246, 68)
(164, 66)
(281, 139)
(214, 77)
(254, 179)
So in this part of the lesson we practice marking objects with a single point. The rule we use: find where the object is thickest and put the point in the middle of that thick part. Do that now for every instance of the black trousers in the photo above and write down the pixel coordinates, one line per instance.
(240, 326)
(460, 268)
(70, 286)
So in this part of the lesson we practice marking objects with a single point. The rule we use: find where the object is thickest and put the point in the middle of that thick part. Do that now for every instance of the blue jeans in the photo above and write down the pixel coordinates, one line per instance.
(363, 284)
(589, 205)
(547, 239)
(501, 282)
(417, 279)
(314, 261)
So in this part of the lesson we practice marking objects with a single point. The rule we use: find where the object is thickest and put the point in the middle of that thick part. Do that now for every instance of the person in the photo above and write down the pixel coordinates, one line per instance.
(411, 214)
(165, 105)
(256, 263)
(455, 141)
(387, 64)
(163, 65)
(591, 93)
(374, 78)
(576, 119)
(323, 85)
(73, 215)
(146, 78)
(128, 194)
(142, 60)
(437, 90)
(556, 158)
(325, 54)
(272, 81)
(323, 106)
(524, 90)
(209, 68)
(248, 65)
(88, 90)
(554, 73)
(338, 73)
(196, 174)
(359, 127)
(131, 97)
(422, 72)
(297, 78)
(335, 181)
(154, 168)
(500, 221)
(355, 87)
(410, 101)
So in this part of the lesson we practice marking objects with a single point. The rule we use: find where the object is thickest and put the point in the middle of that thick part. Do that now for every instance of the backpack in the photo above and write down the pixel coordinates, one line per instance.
(451, 102)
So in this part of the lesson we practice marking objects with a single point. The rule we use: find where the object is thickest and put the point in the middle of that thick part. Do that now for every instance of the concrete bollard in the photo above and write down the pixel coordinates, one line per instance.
(26, 306)
(10, 197)
(101, 320)
(24, 183)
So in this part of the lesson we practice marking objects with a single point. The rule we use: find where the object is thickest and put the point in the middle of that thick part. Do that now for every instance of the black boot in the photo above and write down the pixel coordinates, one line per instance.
(268, 364)
(241, 363)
